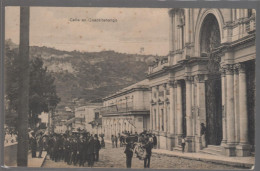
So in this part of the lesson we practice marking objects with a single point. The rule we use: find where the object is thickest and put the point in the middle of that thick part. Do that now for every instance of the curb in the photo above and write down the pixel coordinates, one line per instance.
(230, 163)
(44, 160)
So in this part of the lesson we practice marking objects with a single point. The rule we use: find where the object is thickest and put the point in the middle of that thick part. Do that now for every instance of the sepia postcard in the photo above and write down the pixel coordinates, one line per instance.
(159, 88)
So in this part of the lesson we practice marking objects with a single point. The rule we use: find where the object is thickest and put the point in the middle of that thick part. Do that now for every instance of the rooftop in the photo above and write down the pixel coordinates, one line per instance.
(144, 84)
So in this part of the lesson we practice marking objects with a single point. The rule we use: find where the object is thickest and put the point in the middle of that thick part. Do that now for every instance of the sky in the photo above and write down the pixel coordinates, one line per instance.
(56, 27)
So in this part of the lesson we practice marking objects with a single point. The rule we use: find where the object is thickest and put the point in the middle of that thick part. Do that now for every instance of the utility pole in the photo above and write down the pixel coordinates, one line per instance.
(23, 104)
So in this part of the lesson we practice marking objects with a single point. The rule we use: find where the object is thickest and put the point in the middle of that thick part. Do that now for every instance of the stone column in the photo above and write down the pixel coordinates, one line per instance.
(165, 107)
(157, 116)
(179, 110)
(223, 91)
(193, 116)
(236, 103)
(154, 118)
(230, 148)
(157, 109)
(201, 108)
(151, 109)
(188, 105)
(171, 39)
(171, 112)
(243, 149)
(189, 139)
(160, 116)
(187, 22)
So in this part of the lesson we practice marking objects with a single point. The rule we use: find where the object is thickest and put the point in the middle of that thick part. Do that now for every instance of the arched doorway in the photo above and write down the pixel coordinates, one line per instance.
(209, 42)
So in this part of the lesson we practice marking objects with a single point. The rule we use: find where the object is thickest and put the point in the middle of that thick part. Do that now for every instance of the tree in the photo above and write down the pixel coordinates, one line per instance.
(41, 88)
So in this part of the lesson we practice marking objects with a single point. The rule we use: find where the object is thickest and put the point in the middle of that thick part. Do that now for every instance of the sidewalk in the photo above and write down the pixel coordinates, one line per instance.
(36, 162)
(32, 162)
(247, 162)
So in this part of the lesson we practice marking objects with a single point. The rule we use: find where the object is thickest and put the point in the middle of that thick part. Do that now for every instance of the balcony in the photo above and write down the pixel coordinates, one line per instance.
(158, 65)
(121, 109)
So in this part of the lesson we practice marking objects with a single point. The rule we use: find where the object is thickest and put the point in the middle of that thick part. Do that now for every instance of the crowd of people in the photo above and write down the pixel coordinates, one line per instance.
(76, 148)
(79, 148)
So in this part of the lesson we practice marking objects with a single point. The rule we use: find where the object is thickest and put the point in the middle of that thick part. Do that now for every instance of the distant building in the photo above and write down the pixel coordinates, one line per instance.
(84, 115)
(126, 110)
(97, 123)
(60, 128)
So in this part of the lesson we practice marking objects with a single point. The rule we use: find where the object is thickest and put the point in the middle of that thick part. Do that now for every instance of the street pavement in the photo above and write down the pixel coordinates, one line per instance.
(115, 158)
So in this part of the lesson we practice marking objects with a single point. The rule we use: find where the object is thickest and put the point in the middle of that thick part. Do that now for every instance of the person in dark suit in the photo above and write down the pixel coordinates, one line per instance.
(90, 152)
(40, 143)
(97, 147)
(203, 131)
(113, 141)
(154, 141)
(116, 140)
(148, 148)
(33, 145)
(129, 153)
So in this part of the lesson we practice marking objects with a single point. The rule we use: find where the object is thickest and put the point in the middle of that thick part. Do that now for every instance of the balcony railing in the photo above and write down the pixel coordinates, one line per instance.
(120, 108)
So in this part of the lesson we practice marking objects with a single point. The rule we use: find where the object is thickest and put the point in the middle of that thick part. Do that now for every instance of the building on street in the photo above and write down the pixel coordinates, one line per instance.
(126, 110)
(208, 77)
(84, 115)
(96, 123)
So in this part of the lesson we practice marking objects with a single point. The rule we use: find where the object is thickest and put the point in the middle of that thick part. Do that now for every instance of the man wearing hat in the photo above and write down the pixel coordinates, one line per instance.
(203, 134)
(97, 147)
(128, 152)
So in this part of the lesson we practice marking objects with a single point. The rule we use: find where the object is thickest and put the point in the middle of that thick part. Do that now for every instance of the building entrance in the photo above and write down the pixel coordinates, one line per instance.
(210, 40)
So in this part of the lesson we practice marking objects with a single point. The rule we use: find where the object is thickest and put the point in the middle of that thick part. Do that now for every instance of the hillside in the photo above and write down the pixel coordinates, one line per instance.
(89, 76)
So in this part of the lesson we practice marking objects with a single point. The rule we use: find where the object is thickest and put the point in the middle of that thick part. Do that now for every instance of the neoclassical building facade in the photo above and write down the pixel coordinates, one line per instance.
(126, 110)
(208, 77)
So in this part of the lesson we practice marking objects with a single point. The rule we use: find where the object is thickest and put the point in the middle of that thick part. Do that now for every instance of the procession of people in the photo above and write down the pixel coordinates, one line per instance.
(73, 148)
(79, 148)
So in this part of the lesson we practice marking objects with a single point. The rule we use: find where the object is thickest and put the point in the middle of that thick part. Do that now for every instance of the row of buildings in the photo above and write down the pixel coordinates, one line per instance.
(208, 77)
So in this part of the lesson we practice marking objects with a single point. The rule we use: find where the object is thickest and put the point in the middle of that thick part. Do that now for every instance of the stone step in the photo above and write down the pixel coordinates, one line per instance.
(216, 147)
(177, 148)
(213, 150)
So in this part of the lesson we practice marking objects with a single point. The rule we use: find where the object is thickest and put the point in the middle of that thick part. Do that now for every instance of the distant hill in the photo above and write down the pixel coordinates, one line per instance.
(90, 76)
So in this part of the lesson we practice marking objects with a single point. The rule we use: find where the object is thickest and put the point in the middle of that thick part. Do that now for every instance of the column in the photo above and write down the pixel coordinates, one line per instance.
(230, 150)
(191, 25)
(223, 91)
(157, 109)
(193, 116)
(165, 107)
(171, 112)
(187, 18)
(154, 118)
(200, 109)
(243, 149)
(151, 109)
(171, 30)
(179, 109)
(236, 102)
(188, 105)
(189, 139)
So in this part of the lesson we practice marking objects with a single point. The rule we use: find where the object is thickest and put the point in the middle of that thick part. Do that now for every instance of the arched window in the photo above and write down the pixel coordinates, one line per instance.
(209, 35)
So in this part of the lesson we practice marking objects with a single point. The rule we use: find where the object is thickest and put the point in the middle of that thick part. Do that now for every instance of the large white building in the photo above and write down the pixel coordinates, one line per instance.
(208, 77)
(126, 110)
